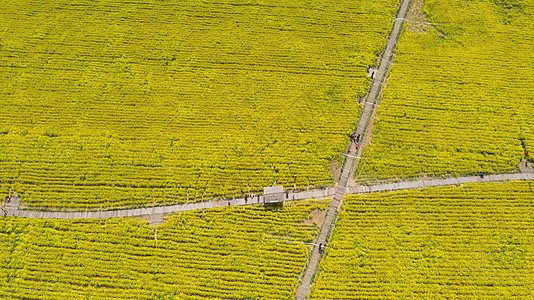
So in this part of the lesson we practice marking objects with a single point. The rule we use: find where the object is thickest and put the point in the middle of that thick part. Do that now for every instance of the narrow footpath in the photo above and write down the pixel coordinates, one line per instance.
(155, 213)
(13, 205)
(352, 157)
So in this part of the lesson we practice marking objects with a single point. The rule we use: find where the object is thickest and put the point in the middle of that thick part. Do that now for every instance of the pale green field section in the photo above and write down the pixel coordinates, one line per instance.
(459, 98)
(468, 242)
(112, 104)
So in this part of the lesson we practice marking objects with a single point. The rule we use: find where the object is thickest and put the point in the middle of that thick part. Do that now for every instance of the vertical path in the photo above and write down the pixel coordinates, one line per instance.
(383, 66)
(526, 166)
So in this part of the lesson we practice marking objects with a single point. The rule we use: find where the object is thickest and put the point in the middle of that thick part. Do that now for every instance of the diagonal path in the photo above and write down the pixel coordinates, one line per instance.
(363, 129)
(526, 167)
(370, 103)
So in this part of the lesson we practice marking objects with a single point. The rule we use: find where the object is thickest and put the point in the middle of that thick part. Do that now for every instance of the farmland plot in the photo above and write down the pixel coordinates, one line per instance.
(230, 252)
(459, 97)
(113, 104)
(474, 241)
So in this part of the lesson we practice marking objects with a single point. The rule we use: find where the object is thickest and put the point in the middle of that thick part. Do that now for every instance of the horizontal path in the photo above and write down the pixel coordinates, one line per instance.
(437, 182)
(157, 210)
(13, 210)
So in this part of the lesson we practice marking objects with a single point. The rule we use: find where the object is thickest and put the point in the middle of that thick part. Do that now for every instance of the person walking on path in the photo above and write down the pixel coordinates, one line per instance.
(246, 198)
(5, 212)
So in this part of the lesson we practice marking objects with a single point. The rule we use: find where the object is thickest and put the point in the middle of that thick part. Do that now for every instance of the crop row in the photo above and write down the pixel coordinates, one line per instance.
(473, 241)
(230, 252)
(458, 99)
(204, 99)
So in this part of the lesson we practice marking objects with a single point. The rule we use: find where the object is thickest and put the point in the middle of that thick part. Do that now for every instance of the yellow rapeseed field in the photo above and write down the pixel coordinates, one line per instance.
(469, 242)
(110, 104)
(230, 252)
(459, 98)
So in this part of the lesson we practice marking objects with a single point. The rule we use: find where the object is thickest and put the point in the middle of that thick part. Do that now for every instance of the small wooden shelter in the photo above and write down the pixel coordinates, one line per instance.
(273, 194)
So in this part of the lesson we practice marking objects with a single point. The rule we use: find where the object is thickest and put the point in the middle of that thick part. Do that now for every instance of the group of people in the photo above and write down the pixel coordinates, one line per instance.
(251, 197)
(355, 138)
(246, 199)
